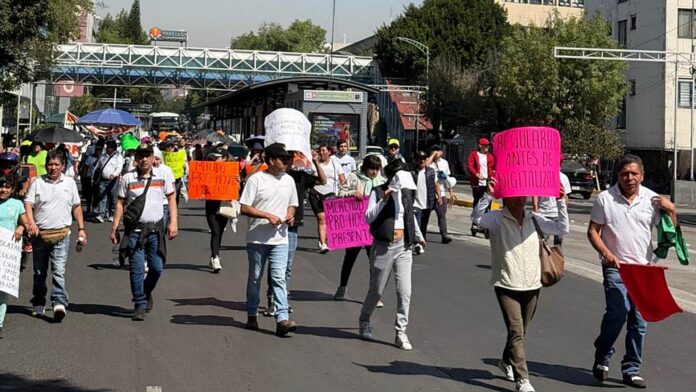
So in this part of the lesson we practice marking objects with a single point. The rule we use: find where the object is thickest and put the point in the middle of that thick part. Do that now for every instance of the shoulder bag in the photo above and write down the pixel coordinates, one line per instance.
(229, 209)
(133, 211)
(552, 259)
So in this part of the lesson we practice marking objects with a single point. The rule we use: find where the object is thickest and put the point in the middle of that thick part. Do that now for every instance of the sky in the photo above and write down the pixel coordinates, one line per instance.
(211, 23)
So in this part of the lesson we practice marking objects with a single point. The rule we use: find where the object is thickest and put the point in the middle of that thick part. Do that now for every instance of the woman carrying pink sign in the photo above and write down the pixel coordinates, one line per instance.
(516, 270)
(358, 185)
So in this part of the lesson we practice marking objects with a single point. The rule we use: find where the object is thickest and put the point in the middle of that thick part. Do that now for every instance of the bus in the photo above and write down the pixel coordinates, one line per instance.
(163, 121)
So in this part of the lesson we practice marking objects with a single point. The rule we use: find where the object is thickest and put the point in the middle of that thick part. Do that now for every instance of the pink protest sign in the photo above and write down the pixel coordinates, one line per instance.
(527, 162)
(346, 226)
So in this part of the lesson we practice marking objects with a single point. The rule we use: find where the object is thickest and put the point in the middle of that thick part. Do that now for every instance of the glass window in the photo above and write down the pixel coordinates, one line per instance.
(622, 33)
(634, 21)
(633, 87)
(685, 23)
(684, 93)
(621, 118)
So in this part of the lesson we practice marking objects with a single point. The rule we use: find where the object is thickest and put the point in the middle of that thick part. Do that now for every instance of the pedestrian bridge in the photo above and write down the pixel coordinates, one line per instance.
(204, 68)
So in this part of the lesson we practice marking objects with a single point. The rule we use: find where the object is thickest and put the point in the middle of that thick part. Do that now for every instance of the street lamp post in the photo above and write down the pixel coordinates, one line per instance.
(426, 51)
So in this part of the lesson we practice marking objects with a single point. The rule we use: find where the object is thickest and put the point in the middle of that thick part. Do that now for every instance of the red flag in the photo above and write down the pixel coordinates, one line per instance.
(647, 287)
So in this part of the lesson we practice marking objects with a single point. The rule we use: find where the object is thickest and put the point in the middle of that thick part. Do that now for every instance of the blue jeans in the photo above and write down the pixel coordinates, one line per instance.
(292, 247)
(56, 256)
(107, 198)
(165, 216)
(277, 256)
(619, 311)
(141, 286)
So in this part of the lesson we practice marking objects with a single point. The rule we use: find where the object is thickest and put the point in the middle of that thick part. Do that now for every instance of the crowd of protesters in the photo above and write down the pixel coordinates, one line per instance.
(140, 188)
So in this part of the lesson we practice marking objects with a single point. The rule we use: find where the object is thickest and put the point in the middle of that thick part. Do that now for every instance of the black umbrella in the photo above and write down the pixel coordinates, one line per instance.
(56, 135)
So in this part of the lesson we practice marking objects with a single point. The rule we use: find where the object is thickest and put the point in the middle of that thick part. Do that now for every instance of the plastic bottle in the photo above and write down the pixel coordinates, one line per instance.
(80, 244)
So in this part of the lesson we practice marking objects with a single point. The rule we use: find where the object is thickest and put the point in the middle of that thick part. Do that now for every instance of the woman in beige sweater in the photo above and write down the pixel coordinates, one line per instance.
(516, 270)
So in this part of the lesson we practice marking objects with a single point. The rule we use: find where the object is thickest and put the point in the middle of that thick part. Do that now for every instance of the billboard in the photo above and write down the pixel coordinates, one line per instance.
(328, 128)
(68, 89)
(157, 34)
(333, 96)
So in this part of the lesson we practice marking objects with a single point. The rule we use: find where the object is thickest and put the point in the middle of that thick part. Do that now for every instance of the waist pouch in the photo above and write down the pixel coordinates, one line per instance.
(54, 236)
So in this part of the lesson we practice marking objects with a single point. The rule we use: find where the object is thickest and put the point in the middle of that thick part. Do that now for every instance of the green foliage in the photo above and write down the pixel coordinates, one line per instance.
(28, 31)
(577, 97)
(124, 28)
(464, 31)
(80, 106)
(301, 36)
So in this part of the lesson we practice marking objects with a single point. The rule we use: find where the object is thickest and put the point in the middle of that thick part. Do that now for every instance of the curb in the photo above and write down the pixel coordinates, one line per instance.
(470, 204)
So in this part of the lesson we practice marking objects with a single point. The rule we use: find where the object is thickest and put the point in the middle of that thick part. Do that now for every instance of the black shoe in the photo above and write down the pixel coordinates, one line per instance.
(252, 323)
(447, 240)
(284, 327)
(634, 380)
(600, 372)
(150, 303)
(1, 334)
(139, 314)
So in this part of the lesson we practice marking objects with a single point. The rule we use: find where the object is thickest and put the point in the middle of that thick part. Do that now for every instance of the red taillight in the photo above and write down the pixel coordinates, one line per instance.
(587, 176)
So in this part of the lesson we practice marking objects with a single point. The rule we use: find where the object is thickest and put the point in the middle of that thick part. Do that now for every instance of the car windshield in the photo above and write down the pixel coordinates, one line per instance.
(572, 166)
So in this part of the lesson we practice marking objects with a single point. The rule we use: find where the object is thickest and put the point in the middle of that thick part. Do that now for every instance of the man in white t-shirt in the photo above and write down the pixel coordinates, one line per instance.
(146, 233)
(620, 230)
(442, 172)
(109, 170)
(346, 161)
(269, 199)
(546, 206)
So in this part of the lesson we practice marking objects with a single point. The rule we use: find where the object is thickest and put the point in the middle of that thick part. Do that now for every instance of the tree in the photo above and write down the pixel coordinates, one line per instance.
(80, 106)
(464, 31)
(28, 31)
(301, 36)
(134, 30)
(577, 97)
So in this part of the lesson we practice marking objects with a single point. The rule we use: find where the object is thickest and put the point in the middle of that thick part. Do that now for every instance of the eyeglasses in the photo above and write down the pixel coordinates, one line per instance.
(393, 147)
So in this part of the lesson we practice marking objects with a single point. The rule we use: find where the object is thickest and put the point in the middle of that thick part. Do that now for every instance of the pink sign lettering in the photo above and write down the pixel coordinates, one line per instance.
(346, 226)
(528, 162)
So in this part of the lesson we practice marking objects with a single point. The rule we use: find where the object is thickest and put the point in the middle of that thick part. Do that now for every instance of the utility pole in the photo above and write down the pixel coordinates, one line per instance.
(654, 56)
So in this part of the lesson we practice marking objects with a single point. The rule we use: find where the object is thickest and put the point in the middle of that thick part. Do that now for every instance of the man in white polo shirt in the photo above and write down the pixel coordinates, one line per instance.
(107, 173)
(51, 203)
(620, 229)
(269, 199)
(145, 230)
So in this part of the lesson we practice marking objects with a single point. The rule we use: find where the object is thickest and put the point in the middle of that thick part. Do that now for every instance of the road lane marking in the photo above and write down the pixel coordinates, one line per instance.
(153, 389)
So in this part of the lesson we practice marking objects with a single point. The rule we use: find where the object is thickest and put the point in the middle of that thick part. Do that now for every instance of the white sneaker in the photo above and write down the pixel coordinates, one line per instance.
(418, 250)
(402, 342)
(365, 330)
(323, 248)
(59, 313)
(110, 219)
(524, 385)
(99, 219)
(380, 304)
(215, 264)
(507, 370)
(38, 311)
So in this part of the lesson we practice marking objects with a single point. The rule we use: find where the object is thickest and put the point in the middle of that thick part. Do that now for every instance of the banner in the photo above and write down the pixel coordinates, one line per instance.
(213, 180)
(176, 161)
(647, 287)
(527, 162)
(68, 89)
(346, 226)
(10, 260)
(290, 127)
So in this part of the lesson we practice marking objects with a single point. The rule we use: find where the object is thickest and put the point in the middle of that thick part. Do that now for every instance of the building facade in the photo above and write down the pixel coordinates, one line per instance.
(659, 101)
(537, 12)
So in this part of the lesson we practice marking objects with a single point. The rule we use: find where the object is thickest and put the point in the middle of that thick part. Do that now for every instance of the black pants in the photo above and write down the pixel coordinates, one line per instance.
(88, 192)
(216, 223)
(440, 211)
(348, 262)
(478, 192)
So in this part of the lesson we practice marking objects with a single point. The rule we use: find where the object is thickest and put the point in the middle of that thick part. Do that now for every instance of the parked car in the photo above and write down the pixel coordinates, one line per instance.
(581, 180)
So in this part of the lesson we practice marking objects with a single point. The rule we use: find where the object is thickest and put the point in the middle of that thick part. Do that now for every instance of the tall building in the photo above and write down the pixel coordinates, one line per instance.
(651, 107)
(537, 12)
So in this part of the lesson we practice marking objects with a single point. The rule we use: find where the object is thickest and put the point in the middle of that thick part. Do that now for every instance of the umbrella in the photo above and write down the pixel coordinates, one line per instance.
(250, 141)
(237, 150)
(56, 135)
(217, 137)
(109, 117)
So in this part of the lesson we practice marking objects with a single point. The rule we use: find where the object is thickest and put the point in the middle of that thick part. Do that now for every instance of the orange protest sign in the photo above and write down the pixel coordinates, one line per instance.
(213, 180)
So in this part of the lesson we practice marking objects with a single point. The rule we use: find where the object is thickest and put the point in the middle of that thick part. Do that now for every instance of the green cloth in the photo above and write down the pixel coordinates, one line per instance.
(371, 183)
(129, 142)
(668, 236)
(39, 160)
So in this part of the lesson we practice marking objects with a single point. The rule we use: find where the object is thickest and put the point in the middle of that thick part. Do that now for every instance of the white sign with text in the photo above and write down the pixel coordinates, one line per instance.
(10, 260)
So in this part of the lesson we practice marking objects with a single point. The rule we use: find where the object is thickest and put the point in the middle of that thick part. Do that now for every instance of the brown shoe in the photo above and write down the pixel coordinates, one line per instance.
(284, 327)
(252, 324)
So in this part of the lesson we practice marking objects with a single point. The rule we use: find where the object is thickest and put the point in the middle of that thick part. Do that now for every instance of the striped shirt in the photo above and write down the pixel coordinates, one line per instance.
(132, 186)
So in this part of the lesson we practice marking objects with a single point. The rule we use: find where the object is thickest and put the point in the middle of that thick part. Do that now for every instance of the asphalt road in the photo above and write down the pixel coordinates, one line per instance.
(194, 339)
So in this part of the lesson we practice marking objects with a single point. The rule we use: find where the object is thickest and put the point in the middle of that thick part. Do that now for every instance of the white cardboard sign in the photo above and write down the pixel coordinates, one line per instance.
(10, 260)
(290, 127)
